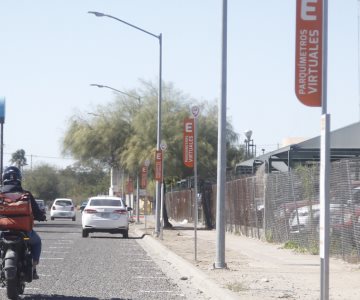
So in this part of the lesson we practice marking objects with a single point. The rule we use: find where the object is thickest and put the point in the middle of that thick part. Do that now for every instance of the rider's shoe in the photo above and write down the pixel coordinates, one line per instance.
(35, 275)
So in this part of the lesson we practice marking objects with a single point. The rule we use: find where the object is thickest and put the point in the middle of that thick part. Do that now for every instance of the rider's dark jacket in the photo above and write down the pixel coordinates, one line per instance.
(13, 188)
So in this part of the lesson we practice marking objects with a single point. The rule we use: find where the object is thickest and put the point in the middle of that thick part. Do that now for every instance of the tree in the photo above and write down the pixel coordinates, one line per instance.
(124, 134)
(77, 182)
(18, 159)
(42, 182)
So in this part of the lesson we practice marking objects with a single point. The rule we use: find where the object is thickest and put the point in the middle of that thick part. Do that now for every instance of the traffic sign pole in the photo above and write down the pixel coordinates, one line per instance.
(195, 112)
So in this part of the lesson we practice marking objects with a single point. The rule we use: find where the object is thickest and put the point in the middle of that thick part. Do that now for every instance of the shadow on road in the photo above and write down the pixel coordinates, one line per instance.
(186, 228)
(118, 237)
(63, 297)
(50, 225)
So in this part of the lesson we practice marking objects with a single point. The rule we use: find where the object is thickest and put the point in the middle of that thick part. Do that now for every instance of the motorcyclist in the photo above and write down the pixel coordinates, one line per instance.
(11, 179)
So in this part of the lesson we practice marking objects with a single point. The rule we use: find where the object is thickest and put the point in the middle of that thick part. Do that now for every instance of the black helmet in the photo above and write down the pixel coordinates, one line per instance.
(11, 175)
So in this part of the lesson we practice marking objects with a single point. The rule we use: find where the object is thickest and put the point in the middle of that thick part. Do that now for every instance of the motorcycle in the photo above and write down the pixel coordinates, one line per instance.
(16, 266)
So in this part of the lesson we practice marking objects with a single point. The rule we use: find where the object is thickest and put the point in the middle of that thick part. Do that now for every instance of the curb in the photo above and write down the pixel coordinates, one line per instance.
(198, 278)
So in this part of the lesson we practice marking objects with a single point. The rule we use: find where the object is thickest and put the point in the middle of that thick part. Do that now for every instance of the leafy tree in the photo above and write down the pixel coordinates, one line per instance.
(77, 182)
(80, 182)
(123, 134)
(18, 158)
(42, 182)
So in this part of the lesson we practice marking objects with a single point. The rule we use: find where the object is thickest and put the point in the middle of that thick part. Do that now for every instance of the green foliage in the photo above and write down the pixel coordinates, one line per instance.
(18, 158)
(77, 182)
(123, 134)
(42, 182)
(236, 287)
(269, 236)
(312, 249)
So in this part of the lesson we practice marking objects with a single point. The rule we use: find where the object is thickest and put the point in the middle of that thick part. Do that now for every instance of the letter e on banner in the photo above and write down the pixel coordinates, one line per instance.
(143, 181)
(308, 54)
(188, 143)
(158, 165)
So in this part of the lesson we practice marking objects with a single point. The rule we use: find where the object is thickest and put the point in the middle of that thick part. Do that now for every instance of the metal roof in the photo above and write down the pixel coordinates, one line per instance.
(344, 143)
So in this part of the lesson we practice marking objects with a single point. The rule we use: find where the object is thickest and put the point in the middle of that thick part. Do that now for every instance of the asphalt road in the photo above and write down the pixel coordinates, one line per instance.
(103, 266)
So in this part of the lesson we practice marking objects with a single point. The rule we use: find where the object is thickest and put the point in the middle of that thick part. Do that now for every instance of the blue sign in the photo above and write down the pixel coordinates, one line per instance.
(2, 110)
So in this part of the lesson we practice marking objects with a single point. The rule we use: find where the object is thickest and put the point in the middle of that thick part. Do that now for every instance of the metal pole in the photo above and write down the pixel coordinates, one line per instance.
(221, 166)
(111, 189)
(137, 200)
(359, 54)
(159, 37)
(324, 168)
(195, 188)
(162, 210)
(158, 184)
(116, 90)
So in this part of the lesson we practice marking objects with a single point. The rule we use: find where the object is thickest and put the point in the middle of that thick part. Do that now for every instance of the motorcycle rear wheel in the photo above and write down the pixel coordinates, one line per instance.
(12, 288)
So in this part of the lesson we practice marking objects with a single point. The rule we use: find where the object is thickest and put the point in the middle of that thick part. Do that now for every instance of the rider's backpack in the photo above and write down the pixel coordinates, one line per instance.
(16, 212)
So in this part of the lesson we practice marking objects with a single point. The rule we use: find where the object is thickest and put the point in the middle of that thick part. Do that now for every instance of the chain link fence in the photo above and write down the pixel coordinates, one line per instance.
(284, 208)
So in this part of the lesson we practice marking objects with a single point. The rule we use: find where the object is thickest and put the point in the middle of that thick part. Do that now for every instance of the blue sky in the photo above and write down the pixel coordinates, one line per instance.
(52, 50)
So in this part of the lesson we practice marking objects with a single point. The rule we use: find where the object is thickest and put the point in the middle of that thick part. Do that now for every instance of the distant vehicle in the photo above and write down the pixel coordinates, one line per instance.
(63, 208)
(307, 219)
(105, 214)
(41, 204)
(82, 206)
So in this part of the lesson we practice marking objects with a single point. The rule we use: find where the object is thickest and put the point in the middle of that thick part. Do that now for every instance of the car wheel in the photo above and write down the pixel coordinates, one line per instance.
(126, 234)
(52, 218)
(74, 218)
(85, 234)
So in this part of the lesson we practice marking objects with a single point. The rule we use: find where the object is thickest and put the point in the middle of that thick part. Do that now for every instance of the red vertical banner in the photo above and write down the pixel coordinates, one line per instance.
(158, 165)
(309, 45)
(188, 143)
(143, 176)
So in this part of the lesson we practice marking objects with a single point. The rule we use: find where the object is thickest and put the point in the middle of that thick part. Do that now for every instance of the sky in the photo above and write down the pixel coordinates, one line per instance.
(51, 51)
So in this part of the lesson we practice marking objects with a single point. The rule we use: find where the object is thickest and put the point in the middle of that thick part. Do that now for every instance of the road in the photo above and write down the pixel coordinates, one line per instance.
(103, 266)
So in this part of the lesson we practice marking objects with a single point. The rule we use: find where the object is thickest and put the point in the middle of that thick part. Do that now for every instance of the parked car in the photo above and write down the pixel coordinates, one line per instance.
(285, 210)
(63, 208)
(105, 214)
(41, 204)
(307, 218)
(82, 206)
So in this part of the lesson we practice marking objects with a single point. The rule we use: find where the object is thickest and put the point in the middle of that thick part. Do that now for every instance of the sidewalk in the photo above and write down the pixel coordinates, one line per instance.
(255, 269)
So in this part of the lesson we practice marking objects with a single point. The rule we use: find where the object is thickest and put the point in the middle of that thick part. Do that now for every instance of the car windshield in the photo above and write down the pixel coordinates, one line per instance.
(63, 203)
(105, 202)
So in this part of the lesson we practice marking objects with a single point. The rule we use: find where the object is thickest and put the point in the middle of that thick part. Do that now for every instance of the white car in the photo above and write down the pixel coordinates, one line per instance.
(63, 208)
(105, 214)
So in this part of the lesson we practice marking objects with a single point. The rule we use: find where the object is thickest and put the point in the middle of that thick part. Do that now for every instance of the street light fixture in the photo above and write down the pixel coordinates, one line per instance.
(159, 37)
(112, 171)
(118, 91)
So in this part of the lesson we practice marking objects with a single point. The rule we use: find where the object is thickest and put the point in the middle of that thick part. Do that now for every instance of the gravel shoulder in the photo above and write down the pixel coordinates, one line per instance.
(255, 269)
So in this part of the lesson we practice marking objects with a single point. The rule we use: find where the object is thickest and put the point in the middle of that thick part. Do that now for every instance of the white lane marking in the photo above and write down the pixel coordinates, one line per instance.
(149, 277)
(61, 252)
(139, 260)
(60, 247)
(159, 292)
(48, 258)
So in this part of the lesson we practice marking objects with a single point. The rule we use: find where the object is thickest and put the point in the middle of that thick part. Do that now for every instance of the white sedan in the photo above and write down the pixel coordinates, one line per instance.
(105, 214)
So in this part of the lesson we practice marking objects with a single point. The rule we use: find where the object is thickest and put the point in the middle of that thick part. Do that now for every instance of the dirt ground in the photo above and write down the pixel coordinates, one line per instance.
(259, 270)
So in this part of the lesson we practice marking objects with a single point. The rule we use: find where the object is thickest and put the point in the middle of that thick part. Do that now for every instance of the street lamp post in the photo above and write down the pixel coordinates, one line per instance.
(137, 181)
(118, 91)
(159, 37)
